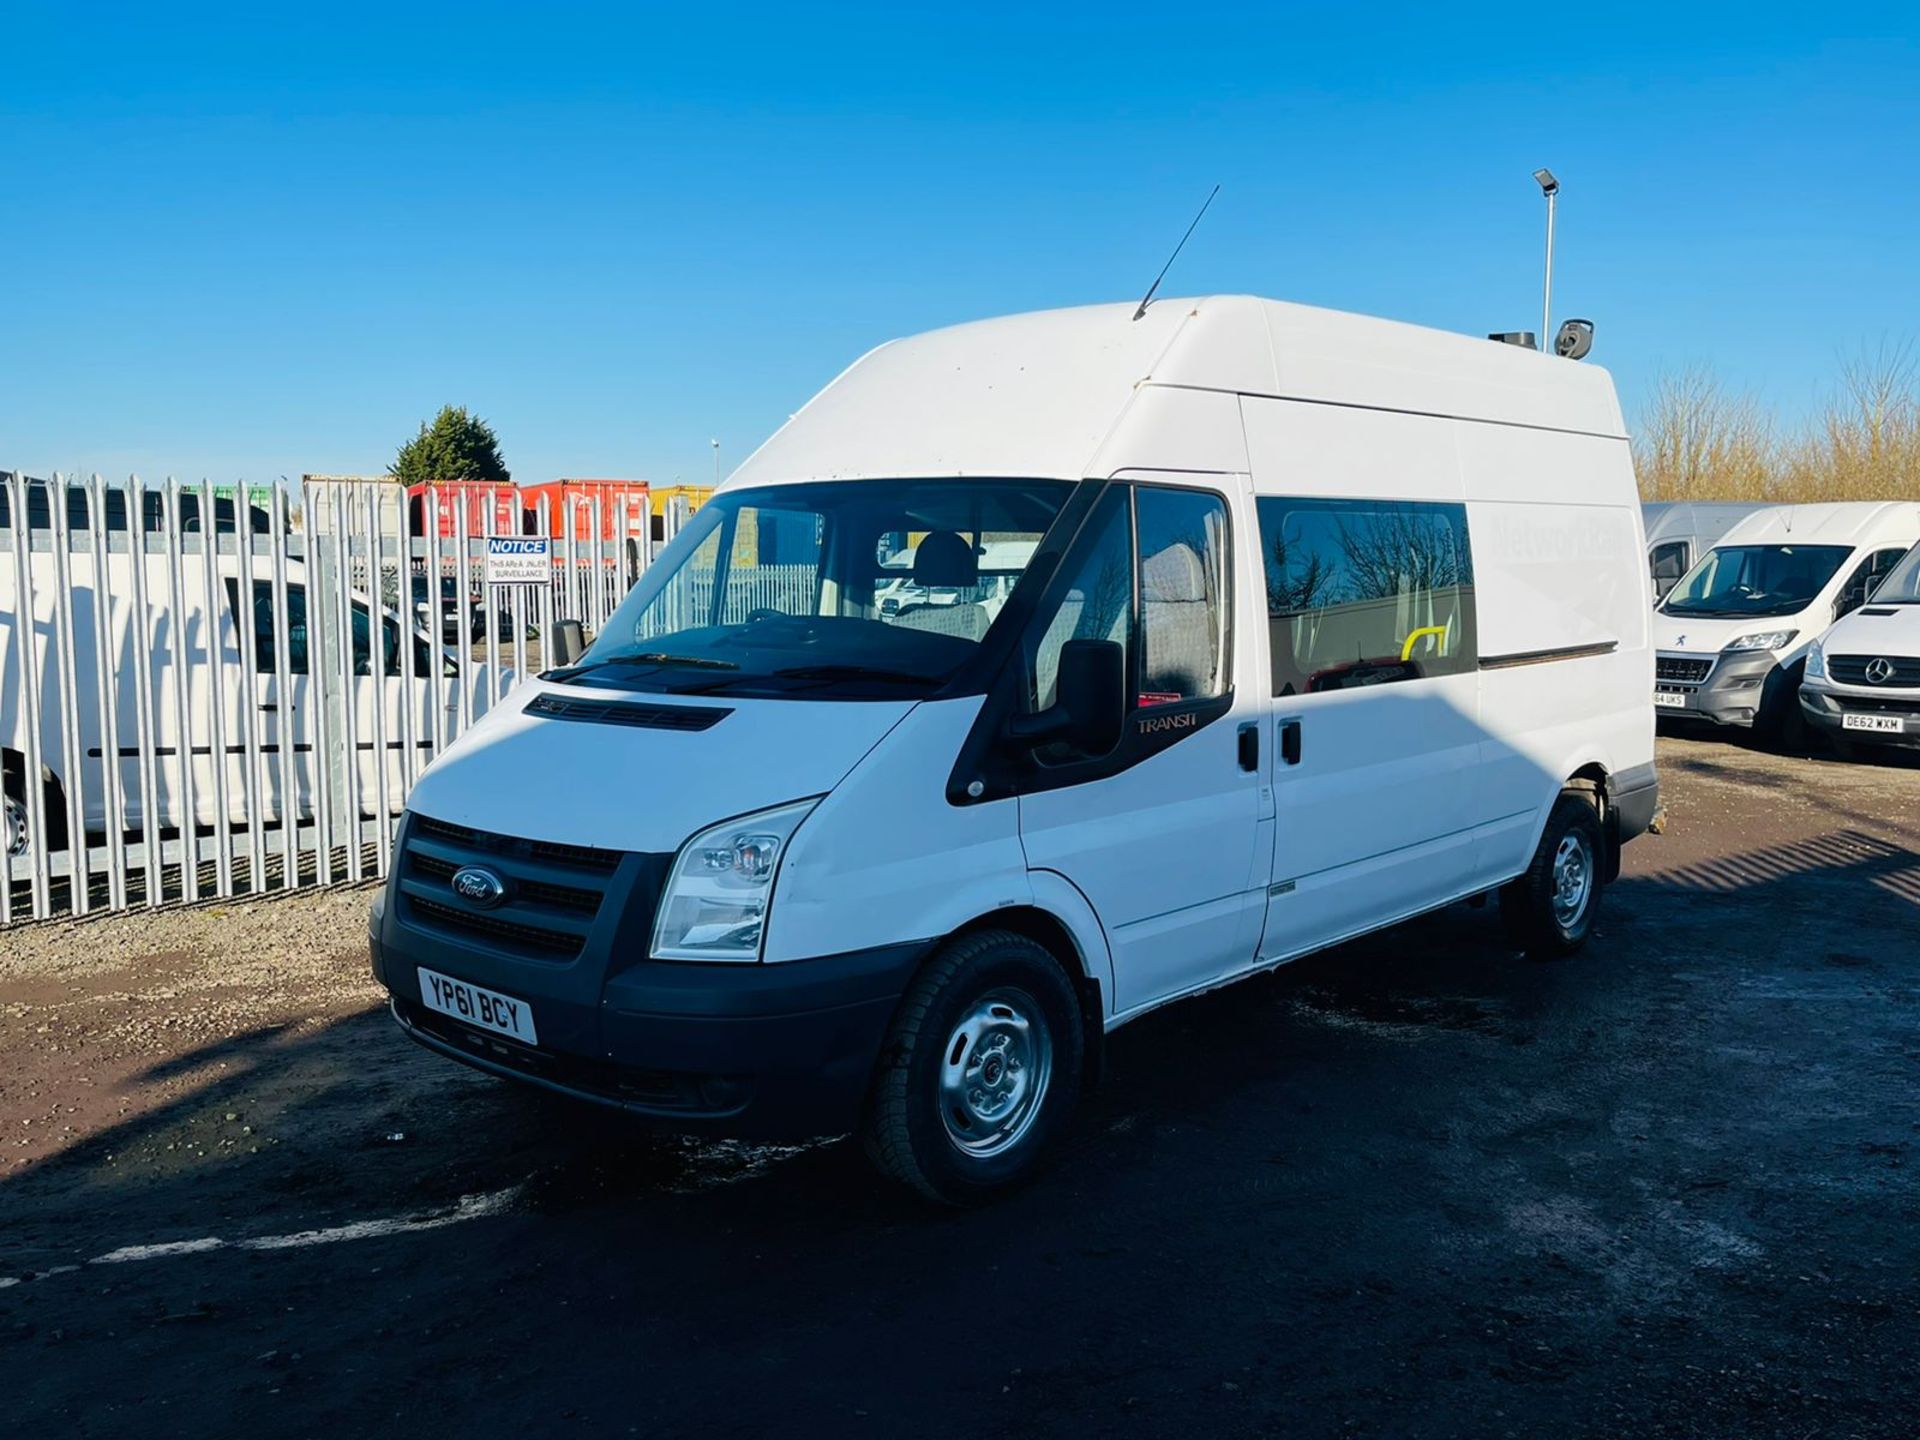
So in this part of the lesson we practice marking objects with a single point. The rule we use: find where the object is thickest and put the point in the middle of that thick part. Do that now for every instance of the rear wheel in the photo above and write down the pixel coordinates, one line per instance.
(980, 1072)
(1549, 910)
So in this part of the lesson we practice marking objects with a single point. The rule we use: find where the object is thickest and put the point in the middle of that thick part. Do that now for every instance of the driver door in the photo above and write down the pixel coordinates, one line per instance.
(1163, 834)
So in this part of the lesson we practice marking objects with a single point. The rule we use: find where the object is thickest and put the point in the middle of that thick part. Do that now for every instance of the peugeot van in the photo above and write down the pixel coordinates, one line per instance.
(1320, 622)
(1679, 532)
(1862, 685)
(1733, 636)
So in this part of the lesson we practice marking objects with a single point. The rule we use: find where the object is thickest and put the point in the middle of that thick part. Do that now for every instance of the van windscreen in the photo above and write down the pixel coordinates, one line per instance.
(1746, 581)
(842, 589)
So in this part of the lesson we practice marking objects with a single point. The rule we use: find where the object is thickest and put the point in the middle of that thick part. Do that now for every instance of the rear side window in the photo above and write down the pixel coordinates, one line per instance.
(1366, 592)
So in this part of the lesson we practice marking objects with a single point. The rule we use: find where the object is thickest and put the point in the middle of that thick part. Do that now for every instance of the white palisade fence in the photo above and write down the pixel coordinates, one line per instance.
(198, 699)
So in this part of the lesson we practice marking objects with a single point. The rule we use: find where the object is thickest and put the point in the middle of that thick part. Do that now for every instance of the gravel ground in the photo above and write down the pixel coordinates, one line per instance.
(1418, 1186)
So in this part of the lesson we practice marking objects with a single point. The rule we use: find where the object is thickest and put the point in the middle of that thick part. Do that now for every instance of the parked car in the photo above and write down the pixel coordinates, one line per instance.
(1862, 686)
(1733, 636)
(834, 869)
(1679, 532)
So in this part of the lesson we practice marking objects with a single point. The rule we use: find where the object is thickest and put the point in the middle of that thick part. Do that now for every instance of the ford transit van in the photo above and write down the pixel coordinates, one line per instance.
(1233, 631)
(1733, 636)
(1862, 685)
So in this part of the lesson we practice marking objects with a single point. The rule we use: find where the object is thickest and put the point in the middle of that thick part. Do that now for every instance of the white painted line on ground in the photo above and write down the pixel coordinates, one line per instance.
(470, 1207)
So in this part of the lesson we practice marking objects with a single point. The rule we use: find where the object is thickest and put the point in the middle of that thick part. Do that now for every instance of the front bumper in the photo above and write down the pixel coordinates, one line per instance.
(1828, 706)
(749, 1050)
(1731, 693)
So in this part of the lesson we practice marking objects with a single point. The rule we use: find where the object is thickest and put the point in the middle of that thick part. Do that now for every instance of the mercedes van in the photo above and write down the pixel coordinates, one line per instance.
(1320, 622)
(1733, 636)
(1862, 686)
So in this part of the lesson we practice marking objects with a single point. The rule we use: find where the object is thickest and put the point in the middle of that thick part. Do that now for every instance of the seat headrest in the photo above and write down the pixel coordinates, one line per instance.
(1174, 575)
(947, 561)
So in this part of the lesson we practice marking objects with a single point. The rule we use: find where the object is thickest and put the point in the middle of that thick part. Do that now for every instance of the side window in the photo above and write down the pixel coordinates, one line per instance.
(263, 631)
(1668, 564)
(1097, 602)
(1366, 592)
(1184, 594)
(1862, 583)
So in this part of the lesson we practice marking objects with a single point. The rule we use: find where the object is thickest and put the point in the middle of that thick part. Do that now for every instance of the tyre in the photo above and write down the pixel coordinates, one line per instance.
(16, 825)
(1549, 910)
(980, 1071)
(1781, 723)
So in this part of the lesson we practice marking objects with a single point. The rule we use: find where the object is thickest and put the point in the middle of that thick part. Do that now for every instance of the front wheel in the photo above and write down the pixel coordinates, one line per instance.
(980, 1072)
(1549, 910)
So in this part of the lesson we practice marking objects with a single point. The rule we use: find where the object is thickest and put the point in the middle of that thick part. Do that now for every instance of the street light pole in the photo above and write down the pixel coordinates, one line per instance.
(1549, 187)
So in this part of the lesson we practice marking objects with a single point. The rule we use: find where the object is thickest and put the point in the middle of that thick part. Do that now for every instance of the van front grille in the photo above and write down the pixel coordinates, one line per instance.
(1852, 670)
(1681, 671)
(583, 856)
(1877, 704)
(552, 894)
(492, 927)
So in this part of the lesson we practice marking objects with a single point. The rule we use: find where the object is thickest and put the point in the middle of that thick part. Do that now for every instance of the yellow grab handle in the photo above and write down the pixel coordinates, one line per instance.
(1406, 650)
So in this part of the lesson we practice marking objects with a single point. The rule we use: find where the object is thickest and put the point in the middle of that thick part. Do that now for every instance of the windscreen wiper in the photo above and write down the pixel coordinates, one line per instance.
(644, 657)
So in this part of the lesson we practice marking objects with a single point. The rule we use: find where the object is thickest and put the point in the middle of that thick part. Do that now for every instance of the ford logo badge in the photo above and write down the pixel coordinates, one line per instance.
(479, 887)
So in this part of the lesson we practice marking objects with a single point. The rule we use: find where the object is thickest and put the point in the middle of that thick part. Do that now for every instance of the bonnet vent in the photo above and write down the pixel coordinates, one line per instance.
(625, 712)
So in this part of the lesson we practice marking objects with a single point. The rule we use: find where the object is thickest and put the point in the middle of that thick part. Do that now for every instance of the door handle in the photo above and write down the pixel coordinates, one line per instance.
(1290, 741)
(269, 708)
(1250, 745)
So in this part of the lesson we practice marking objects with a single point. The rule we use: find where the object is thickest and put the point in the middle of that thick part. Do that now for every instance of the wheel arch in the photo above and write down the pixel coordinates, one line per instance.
(1089, 972)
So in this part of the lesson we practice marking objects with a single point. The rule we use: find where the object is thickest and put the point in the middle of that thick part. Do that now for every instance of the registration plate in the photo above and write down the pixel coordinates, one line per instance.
(1674, 698)
(1884, 724)
(488, 1009)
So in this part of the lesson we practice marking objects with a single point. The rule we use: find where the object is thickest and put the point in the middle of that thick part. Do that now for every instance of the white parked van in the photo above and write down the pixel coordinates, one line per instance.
(1733, 636)
(1679, 532)
(1321, 622)
(1862, 685)
(206, 680)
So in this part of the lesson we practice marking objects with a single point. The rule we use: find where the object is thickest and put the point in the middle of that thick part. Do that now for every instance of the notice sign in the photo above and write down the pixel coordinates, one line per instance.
(522, 560)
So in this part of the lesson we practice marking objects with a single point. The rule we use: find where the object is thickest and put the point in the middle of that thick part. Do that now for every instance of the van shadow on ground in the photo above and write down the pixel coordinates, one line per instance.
(1418, 1180)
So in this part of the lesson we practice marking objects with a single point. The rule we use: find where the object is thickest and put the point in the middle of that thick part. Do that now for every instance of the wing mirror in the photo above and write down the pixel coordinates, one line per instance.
(1090, 700)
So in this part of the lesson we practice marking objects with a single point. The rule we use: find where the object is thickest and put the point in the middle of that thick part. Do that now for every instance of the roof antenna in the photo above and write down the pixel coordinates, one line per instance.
(1147, 299)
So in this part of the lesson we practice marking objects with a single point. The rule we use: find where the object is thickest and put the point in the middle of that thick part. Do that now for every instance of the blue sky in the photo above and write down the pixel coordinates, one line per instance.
(241, 244)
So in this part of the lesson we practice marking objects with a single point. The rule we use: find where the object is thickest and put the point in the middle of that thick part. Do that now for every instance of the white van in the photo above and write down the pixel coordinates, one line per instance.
(1733, 636)
(1679, 532)
(1326, 622)
(204, 676)
(1862, 685)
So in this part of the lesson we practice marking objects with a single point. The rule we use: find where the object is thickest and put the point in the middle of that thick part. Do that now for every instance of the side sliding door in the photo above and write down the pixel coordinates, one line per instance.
(1373, 699)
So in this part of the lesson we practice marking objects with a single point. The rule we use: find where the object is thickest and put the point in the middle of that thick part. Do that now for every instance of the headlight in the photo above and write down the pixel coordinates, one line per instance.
(1817, 662)
(1764, 640)
(715, 903)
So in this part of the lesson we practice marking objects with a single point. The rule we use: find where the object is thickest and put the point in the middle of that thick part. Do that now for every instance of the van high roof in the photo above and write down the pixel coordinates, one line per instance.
(1854, 522)
(1042, 394)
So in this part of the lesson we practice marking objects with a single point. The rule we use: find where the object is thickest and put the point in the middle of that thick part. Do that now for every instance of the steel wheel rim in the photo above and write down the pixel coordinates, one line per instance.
(1572, 880)
(995, 1072)
(13, 828)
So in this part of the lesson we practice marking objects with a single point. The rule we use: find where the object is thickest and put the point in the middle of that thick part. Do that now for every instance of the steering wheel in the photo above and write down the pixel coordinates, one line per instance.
(766, 613)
